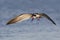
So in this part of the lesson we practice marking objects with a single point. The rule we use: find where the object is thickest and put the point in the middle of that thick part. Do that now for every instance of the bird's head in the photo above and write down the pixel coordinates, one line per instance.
(37, 15)
(33, 16)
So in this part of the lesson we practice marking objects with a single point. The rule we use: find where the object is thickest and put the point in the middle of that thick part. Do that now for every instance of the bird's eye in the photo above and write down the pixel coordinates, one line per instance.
(33, 14)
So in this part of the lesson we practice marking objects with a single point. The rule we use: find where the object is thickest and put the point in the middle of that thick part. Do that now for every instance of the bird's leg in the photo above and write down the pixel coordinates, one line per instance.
(38, 19)
(32, 19)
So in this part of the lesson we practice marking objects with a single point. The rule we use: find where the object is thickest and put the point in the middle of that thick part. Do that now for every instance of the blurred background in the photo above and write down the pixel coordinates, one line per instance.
(28, 30)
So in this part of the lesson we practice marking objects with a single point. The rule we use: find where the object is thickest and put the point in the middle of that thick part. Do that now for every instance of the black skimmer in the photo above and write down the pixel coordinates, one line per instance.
(26, 16)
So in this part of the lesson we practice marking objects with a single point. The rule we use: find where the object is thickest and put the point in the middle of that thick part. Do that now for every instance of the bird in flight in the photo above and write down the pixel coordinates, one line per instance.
(26, 16)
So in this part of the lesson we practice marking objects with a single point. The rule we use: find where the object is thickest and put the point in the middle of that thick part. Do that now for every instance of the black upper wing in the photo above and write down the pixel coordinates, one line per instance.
(45, 15)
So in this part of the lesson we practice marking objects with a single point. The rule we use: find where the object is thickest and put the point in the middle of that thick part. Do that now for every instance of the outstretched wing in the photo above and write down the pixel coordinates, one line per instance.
(45, 15)
(19, 18)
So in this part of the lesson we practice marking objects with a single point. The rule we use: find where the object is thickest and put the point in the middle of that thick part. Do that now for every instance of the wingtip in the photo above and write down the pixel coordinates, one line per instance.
(55, 24)
(7, 23)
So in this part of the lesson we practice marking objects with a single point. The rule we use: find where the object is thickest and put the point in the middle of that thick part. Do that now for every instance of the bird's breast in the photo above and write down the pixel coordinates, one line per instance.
(37, 15)
(34, 17)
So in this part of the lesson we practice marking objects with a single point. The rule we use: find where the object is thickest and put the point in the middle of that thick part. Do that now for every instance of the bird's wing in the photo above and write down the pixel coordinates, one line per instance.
(45, 15)
(20, 18)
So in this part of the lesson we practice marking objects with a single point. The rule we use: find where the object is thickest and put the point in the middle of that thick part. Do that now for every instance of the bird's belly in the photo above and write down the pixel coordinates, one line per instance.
(37, 15)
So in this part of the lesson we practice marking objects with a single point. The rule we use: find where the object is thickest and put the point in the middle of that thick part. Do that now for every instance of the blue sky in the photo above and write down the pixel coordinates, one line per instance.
(45, 30)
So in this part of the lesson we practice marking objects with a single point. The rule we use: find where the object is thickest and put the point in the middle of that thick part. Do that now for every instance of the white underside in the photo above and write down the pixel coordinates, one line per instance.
(24, 19)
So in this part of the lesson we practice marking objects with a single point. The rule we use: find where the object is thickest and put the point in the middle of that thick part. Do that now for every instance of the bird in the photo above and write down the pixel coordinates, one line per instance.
(26, 16)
